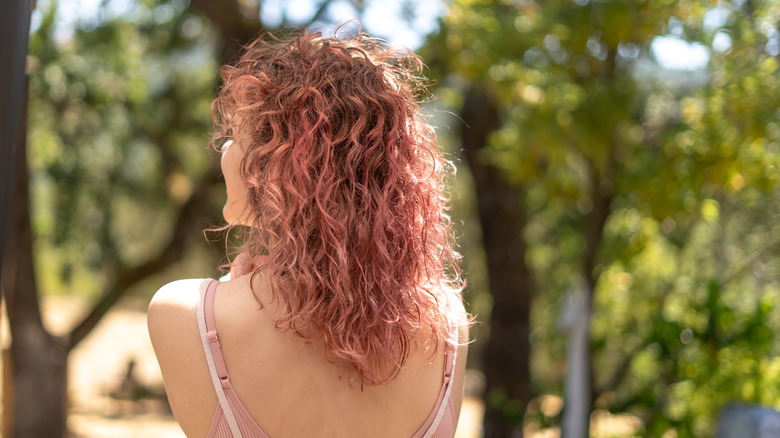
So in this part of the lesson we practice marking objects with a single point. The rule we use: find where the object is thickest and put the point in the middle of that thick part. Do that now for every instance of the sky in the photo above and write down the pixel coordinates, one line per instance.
(389, 20)
(674, 53)
(382, 18)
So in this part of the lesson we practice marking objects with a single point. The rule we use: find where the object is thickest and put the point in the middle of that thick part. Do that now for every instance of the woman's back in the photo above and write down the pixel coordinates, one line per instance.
(287, 385)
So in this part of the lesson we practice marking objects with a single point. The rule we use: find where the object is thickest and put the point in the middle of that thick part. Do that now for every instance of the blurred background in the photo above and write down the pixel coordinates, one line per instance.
(616, 203)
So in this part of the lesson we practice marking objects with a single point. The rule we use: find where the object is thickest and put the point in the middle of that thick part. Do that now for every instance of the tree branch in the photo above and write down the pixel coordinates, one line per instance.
(174, 251)
(603, 193)
(735, 273)
(320, 12)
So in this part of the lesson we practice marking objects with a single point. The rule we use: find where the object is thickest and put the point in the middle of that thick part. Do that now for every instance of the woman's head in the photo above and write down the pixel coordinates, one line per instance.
(343, 192)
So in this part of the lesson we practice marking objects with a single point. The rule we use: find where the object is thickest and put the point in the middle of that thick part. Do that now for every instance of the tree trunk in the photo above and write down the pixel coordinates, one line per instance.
(14, 28)
(37, 359)
(602, 186)
(502, 216)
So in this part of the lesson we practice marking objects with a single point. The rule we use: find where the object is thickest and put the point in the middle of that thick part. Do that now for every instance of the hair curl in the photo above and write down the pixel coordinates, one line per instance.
(345, 193)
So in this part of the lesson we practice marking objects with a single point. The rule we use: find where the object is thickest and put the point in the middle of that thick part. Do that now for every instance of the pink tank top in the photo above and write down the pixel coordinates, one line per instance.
(232, 420)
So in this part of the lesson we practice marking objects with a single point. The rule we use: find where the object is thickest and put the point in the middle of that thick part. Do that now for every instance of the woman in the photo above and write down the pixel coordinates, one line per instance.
(342, 315)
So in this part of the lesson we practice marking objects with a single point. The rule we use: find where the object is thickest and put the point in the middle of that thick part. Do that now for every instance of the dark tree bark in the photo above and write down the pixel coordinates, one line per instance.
(503, 217)
(37, 360)
(14, 27)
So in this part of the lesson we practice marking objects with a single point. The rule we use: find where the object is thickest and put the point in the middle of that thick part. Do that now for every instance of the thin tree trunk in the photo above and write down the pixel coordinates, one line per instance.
(603, 193)
(503, 217)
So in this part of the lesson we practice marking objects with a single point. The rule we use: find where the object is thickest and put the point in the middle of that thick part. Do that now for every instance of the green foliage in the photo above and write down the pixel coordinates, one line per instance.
(686, 275)
(118, 116)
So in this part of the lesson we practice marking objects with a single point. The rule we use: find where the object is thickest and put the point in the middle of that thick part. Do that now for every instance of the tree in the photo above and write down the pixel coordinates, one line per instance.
(621, 171)
(15, 25)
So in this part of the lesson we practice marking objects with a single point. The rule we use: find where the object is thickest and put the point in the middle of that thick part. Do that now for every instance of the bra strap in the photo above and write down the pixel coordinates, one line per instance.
(211, 346)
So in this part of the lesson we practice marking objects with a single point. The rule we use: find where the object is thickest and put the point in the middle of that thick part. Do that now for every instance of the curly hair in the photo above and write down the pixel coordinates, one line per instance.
(345, 194)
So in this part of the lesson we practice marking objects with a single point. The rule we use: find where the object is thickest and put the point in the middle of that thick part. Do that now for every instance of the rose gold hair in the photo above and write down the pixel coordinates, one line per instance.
(345, 194)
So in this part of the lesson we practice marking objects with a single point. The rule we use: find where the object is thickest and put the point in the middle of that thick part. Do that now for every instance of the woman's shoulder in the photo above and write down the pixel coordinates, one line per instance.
(173, 305)
(176, 294)
(173, 330)
(455, 310)
(458, 314)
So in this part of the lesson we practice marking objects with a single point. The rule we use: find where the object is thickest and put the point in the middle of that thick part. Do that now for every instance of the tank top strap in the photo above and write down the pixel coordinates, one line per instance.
(431, 425)
(452, 350)
(213, 350)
